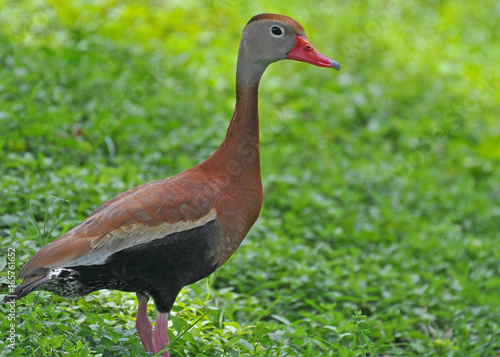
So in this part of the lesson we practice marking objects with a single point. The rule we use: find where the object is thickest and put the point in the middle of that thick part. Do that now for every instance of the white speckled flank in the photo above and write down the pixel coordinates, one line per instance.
(63, 283)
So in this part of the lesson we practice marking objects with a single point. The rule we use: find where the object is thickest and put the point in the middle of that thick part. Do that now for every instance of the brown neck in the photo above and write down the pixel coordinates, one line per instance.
(239, 151)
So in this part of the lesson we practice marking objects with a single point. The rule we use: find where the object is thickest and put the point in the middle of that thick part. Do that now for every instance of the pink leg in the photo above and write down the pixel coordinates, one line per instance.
(161, 335)
(142, 324)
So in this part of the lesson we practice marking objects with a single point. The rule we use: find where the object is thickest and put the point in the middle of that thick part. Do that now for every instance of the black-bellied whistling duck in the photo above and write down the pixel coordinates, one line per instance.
(156, 238)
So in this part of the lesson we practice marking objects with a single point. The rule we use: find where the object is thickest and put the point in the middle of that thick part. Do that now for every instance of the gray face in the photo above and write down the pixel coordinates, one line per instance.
(267, 41)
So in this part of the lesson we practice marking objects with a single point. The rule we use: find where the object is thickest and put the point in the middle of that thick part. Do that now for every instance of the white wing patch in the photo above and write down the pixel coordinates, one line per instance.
(129, 236)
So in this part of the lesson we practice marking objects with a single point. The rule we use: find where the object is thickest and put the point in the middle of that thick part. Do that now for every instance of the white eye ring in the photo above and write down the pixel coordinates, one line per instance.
(277, 31)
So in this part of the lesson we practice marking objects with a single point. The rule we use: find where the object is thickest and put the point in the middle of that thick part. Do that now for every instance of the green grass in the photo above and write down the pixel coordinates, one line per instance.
(381, 220)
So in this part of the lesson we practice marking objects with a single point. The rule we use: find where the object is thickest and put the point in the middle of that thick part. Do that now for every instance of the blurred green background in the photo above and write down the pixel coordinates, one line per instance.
(382, 184)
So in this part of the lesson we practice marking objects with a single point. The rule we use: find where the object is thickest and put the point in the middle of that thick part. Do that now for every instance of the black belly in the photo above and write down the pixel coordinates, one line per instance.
(159, 268)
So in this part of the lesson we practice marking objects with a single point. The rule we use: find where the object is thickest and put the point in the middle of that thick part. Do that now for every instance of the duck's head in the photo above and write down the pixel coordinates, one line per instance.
(268, 38)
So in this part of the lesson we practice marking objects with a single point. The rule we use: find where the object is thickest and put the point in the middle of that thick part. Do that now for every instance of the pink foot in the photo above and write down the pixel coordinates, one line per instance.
(142, 324)
(161, 333)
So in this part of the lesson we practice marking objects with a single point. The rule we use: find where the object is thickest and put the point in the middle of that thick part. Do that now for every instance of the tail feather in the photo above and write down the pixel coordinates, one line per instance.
(27, 286)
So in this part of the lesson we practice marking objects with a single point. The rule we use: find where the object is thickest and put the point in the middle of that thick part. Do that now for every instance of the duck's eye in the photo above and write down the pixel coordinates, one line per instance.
(277, 31)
